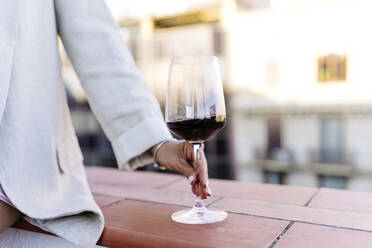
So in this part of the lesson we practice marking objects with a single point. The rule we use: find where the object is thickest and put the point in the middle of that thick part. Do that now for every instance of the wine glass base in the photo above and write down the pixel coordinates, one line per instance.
(198, 216)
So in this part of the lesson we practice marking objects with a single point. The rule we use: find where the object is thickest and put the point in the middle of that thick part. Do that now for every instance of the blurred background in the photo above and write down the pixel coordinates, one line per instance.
(296, 79)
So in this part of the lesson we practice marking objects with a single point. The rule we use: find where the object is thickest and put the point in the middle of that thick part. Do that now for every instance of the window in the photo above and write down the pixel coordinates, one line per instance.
(222, 145)
(331, 140)
(273, 135)
(274, 177)
(332, 68)
(217, 153)
(332, 182)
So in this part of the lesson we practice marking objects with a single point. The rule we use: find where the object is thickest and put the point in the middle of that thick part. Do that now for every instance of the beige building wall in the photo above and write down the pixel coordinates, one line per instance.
(249, 137)
(272, 53)
(359, 141)
(287, 42)
(301, 136)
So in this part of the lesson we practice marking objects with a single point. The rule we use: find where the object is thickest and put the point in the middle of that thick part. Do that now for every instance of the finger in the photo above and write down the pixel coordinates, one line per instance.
(195, 186)
(202, 191)
(200, 194)
(187, 170)
(195, 190)
(202, 175)
(183, 167)
(188, 151)
(188, 154)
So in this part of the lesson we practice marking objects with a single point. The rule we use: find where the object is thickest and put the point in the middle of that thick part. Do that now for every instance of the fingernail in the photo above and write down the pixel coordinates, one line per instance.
(209, 191)
(191, 178)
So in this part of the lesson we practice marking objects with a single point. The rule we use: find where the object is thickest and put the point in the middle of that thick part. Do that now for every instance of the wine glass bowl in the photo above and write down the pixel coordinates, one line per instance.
(195, 105)
(195, 111)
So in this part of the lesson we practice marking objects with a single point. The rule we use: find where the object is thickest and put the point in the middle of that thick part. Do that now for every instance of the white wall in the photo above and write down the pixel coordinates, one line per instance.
(359, 140)
(249, 134)
(360, 184)
(302, 179)
(300, 134)
(248, 175)
(295, 37)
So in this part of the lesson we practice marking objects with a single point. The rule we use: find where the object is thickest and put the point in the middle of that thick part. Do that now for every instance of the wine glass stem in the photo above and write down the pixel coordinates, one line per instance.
(196, 147)
(198, 205)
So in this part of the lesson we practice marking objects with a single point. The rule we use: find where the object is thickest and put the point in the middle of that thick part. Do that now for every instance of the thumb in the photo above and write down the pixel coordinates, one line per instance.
(188, 171)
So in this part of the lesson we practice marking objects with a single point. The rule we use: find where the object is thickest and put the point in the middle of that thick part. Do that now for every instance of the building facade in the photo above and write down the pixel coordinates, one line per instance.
(305, 115)
(296, 78)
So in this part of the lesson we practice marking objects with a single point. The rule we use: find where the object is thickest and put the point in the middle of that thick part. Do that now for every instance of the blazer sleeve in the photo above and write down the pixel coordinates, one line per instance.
(129, 114)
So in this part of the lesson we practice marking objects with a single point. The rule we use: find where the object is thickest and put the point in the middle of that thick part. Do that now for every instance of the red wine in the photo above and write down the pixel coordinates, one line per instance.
(196, 130)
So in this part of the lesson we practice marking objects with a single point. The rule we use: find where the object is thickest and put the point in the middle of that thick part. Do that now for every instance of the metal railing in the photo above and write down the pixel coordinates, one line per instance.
(330, 157)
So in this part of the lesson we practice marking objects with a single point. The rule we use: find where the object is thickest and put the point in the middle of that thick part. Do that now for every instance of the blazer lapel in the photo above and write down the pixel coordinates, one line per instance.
(8, 33)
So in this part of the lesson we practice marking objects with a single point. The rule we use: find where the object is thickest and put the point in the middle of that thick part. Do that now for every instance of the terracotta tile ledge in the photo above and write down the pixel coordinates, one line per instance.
(137, 208)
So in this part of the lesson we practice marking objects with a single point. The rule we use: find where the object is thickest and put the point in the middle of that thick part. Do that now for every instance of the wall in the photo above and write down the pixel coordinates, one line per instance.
(249, 136)
(294, 37)
(301, 136)
(359, 139)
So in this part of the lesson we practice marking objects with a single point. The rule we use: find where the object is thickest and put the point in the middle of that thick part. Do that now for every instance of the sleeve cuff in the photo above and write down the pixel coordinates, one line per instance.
(132, 148)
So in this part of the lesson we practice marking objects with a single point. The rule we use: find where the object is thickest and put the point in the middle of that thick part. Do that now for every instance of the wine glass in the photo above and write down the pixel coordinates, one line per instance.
(195, 111)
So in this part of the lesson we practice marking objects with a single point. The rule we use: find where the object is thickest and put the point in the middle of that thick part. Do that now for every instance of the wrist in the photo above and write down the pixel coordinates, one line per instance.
(157, 146)
(155, 150)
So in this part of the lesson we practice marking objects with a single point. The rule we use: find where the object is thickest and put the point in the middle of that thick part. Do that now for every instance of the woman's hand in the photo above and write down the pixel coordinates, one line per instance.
(178, 156)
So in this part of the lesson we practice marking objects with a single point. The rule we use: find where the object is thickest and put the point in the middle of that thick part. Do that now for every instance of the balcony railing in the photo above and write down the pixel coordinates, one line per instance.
(318, 162)
(275, 160)
(277, 154)
(323, 156)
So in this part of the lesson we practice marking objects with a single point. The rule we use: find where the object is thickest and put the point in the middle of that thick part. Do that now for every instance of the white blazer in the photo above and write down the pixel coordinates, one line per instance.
(41, 168)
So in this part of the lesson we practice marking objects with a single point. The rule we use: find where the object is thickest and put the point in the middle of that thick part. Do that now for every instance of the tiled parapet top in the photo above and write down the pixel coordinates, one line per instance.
(137, 208)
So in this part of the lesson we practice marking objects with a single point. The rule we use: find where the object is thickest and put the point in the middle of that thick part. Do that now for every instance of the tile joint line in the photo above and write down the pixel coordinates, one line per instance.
(300, 221)
(113, 203)
(312, 197)
(213, 202)
(281, 234)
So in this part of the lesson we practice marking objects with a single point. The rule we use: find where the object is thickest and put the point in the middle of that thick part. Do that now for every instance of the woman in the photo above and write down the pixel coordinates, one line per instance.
(41, 170)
